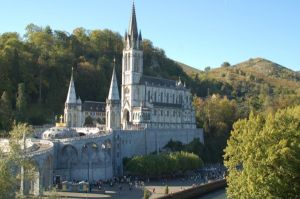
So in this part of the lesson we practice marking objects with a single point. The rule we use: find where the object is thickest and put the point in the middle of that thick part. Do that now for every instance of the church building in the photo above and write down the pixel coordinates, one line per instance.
(146, 102)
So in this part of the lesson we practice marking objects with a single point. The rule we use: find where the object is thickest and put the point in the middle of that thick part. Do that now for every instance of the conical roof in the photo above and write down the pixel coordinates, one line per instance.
(71, 97)
(113, 90)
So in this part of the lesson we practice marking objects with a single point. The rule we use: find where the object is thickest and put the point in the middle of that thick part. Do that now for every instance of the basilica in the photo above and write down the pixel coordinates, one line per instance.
(148, 114)
(146, 102)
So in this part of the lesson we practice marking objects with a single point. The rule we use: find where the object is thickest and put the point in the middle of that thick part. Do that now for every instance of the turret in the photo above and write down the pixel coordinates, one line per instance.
(72, 111)
(113, 106)
(71, 97)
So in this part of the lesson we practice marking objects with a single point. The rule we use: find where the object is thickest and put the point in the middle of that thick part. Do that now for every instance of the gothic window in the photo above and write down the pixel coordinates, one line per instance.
(125, 62)
(128, 62)
(148, 96)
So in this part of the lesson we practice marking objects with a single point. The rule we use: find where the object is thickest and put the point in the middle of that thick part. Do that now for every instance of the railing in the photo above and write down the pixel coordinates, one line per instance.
(83, 137)
(41, 151)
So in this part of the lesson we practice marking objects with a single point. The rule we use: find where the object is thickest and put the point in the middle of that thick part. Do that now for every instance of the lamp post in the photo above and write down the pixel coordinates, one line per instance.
(104, 149)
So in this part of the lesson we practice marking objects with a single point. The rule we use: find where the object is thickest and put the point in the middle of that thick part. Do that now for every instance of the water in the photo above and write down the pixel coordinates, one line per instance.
(219, 194)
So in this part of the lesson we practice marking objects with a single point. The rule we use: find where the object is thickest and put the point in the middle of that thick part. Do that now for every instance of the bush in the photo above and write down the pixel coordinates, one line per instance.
(164, 163)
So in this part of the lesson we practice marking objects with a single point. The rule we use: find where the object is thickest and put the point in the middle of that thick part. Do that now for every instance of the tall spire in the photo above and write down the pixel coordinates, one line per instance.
(71, 97)
(113, 90)
(132, 30)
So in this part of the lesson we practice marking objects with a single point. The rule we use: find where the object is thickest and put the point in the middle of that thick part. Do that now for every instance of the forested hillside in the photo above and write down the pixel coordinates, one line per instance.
(42, 60)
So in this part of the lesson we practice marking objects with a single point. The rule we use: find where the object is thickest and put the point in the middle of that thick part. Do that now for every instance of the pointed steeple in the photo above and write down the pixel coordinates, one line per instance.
(71, 97)
(132, 30)
(140, 36)
(113, 90)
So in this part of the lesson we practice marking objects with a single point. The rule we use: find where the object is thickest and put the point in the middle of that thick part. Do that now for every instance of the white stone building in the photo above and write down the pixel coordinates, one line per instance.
(146, 102)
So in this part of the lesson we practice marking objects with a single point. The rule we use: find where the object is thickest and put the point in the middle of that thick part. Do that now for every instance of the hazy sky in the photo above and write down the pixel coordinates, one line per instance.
(199, 33)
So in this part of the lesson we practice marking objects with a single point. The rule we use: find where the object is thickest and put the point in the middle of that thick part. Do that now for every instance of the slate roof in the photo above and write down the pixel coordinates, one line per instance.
(168, 105)
(156, 81)
(93, 106)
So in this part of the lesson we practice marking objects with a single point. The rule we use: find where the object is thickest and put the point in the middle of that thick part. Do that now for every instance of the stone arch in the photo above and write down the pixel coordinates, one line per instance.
(126, 115)
(30, 178)
(112, 119)
(90, 152)
(90, 159)
(69, 155)
(47, 172)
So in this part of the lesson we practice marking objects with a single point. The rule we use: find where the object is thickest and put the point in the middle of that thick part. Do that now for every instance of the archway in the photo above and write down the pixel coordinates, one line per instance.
(126, 115)
(90, 158)
(47, 171)
(69, 158)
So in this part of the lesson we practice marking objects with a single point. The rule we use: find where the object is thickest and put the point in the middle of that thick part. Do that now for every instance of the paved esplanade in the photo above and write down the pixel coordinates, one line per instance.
(126, 193)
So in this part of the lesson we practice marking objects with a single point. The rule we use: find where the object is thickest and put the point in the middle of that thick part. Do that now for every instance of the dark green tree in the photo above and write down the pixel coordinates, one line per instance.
(5, 112)
(21, 103)
(88, 121)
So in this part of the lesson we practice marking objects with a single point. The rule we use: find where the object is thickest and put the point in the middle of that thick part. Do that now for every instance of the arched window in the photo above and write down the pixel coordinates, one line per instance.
(128, 61)
(161, 97)
(125, 63)
(155, 96)
(173, 98)
(149, 96)
(167, 98)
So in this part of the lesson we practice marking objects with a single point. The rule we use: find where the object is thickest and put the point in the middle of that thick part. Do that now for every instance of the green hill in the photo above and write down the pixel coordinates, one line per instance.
(188, 69)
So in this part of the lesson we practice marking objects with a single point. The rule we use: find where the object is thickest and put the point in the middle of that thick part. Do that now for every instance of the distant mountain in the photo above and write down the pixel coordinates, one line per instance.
(257, 71)
(248, 78)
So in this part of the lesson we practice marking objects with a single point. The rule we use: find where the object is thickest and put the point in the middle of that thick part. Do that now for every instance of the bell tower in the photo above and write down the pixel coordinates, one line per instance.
(132, 70)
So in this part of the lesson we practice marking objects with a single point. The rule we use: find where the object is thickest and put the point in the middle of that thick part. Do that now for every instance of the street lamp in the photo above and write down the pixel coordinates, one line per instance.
(104, 149)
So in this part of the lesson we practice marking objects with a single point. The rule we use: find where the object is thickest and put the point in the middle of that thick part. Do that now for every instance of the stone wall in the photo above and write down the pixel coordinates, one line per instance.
(149, 140)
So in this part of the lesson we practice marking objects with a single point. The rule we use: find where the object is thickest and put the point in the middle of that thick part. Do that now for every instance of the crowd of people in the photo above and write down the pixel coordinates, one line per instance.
(203, 175)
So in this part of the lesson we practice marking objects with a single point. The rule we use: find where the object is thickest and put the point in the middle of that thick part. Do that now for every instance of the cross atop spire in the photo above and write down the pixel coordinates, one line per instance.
(132, 30)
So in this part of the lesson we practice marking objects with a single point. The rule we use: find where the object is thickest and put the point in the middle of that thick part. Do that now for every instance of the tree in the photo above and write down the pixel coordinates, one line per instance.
(88, 121)
(5, 111)
(164, 163)
(206, 69)
(11, 161)
(225, 64)
(21, 102)
(216, 114)
(147, 194)
(166, 189)
(263, 156)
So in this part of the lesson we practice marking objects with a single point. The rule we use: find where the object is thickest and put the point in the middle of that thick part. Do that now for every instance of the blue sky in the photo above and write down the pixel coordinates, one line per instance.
(199, 33)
